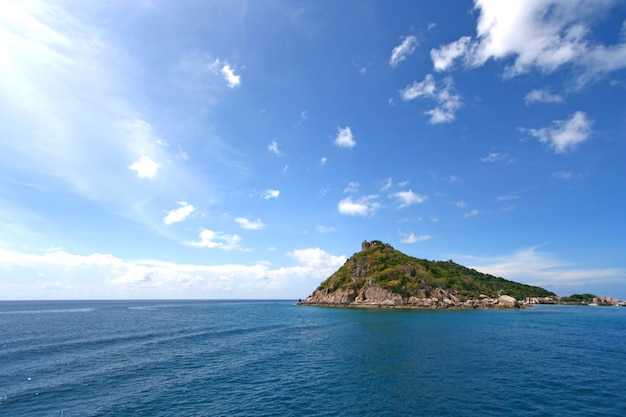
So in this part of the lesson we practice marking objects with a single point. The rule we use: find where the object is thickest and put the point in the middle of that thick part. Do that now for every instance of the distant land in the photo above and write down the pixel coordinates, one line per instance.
(381, 276)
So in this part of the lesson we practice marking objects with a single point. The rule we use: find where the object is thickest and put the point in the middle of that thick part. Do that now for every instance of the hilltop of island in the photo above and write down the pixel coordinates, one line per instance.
(381, 276)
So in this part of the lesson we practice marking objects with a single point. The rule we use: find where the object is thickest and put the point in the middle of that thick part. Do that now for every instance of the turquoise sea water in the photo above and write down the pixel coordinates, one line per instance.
(271, 358)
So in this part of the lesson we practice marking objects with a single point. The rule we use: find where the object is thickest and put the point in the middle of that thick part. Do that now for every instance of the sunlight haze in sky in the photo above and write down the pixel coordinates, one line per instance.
(244, 149)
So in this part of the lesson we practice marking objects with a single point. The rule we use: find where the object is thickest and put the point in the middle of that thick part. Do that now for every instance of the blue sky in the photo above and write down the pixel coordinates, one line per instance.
(244, 149)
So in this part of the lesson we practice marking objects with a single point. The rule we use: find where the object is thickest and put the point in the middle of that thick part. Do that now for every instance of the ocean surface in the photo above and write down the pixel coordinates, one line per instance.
(272, 358)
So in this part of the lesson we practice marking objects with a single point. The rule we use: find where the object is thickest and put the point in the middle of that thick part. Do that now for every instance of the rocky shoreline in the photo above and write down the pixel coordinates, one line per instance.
(373, 296)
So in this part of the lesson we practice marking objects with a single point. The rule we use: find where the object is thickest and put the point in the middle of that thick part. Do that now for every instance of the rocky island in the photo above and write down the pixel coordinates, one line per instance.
(381, 276)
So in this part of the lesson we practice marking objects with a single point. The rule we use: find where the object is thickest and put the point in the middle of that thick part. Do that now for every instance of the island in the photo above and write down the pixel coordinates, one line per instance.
(381, 276)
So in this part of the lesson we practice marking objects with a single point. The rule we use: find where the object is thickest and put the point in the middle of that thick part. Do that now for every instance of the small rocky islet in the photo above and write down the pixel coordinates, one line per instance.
(381, 276)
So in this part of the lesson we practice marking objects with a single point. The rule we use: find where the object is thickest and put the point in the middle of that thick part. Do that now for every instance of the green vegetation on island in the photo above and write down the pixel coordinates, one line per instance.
(378, 264)
(578, 299)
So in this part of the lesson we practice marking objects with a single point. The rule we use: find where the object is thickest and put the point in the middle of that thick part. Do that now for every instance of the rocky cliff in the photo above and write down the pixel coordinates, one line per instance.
(381, 276)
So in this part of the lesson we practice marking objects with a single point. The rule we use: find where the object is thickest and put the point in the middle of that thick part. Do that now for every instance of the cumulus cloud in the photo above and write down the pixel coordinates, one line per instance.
(250, 224)
(402, 51)
(412, 238)
(425, 88)
(179, 214)
(216, 240)
(345, 138)
(542, 35)
(230, 77)
(564, 135)
(541, 96)
(317, 258)
(407, 198)
(363, 206)
(270, 193)
(273, 147)
(448, 102)
(444, 57)
(198, 73)
(145, 167)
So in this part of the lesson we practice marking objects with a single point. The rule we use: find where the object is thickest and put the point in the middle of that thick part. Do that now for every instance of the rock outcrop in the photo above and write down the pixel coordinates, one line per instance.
(373, 295)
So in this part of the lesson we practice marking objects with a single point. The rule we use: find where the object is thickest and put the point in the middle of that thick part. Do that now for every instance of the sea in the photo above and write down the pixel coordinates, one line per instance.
(275, 358)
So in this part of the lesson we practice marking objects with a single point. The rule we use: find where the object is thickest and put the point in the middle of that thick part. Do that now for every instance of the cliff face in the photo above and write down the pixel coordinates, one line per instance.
(380, 276)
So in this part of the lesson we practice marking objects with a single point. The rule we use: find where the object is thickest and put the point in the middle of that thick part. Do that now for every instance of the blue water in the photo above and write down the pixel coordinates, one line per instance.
(271, 358)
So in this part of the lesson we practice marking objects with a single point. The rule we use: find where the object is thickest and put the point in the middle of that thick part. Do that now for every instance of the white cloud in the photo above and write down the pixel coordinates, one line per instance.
(273, 147)
(564, 175)
(344, 138)
(407, 198)
(182, 155)
(472, 213)
(507, 197)
(424, 88)
(541, 96)
(230, 77)
(179, 214)
(61, 275)
(73, 90)
(543, 35)
(250, 224)
(564, 135)
(352, 187)
(56, 285)
(270, 193)
(317, 258)
(533, 267)
(216, 240)
(448, 102)
(363, 206)
(325, 229)
(145, 167)
(385, 185)
(402, 51)
(412, 238)
(200, 76)
(461, 204)
(444, 57)
(495, 157)
(323, 161)
(58, 258)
